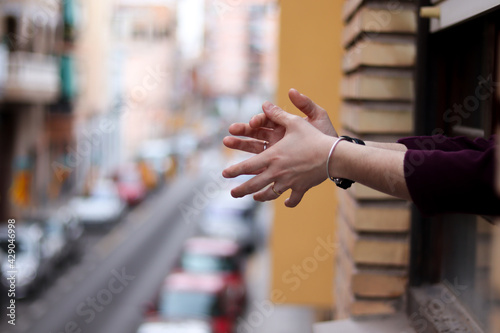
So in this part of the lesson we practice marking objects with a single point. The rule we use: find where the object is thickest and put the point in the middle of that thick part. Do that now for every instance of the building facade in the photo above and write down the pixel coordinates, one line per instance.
(37, 92)
(239, 64)
(416, 68)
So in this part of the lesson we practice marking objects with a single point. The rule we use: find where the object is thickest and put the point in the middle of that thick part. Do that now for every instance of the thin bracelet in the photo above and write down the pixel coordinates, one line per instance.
(330, 156)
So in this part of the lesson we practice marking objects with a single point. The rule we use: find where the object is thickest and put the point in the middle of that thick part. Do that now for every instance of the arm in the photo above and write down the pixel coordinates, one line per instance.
(387, 145)
(436, 181)
(380, 167)
(298, 162)
(261, 128)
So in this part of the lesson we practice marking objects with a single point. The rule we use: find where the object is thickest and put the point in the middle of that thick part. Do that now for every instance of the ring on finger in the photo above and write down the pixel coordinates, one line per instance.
(278, 193)
(265, 145)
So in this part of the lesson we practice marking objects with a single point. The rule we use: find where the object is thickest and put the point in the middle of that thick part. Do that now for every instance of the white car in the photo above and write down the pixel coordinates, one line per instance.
(227, 217)
(188, 326)
(31, 263)
(102, 207)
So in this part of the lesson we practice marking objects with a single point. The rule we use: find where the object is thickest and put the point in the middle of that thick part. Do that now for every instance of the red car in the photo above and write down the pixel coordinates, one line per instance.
(197, 296)
(131, 187)
(205, 255)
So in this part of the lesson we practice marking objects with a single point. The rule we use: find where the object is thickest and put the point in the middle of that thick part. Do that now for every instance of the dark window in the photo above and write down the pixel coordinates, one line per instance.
(11, 35)
(457, 72)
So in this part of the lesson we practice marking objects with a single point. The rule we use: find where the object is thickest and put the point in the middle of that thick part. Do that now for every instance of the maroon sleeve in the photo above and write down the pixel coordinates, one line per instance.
(456, 176)
(441, 142)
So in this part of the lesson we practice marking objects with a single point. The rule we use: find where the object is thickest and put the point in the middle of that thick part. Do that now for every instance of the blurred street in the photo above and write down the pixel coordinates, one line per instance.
(119, 117)
(138, 253)
(114, 214)
(145, 246)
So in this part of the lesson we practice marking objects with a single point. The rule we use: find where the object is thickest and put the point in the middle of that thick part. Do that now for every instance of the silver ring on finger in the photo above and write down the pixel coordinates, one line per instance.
(278, 193)
(265, 145)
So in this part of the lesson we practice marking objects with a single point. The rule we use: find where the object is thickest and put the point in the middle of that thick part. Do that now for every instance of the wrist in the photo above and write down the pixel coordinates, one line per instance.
(342, 168)
(336, 161)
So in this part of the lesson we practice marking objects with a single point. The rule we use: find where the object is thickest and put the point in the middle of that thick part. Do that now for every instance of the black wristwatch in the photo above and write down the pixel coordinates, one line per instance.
(342, 182)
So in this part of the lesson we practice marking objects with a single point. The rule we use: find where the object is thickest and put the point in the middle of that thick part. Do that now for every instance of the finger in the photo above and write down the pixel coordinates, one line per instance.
(248, 167)
(240, 129)
(268, 194)
(294, 199)
(253, 185)
(305, 104)
(261, 120)
(257, 172)
(277, 115)
(249, 146)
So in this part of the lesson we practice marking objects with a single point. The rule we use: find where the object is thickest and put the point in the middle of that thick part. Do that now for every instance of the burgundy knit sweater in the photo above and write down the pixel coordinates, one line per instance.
(451, 175)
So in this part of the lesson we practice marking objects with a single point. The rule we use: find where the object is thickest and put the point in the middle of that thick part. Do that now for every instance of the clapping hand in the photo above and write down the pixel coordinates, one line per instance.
(264, 132)
(296, 154)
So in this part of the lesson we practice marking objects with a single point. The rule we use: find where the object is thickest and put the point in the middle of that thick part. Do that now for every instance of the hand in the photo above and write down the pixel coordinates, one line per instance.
(297, 161)
(261, 128)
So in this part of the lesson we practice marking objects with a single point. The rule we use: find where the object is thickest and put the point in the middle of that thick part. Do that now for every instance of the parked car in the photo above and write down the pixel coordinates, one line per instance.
(224, 203)
(226, 217)
(72, 229)
(187, 296)
(204, 255)
(54, 240)
(102, 207)
(211, 255)
(31, 263)
(130, 184)
(186, 326)
(3, 288)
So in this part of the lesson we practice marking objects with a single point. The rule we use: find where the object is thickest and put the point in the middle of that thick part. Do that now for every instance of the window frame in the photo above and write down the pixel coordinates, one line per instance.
(426, 256)
(457, 11)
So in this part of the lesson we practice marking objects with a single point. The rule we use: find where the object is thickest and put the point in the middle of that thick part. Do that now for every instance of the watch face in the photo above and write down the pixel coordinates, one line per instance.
(343, 183)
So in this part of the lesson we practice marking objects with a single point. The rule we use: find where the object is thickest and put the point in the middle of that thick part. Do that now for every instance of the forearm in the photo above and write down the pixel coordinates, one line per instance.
(387, 145)
(377, 167)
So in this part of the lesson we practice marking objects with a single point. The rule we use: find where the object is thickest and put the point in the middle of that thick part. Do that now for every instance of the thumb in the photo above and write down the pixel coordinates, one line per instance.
(304, 104)
(276, 114)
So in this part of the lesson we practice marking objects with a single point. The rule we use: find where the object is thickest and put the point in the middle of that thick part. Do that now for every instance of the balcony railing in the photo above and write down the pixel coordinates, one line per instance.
(32, 78)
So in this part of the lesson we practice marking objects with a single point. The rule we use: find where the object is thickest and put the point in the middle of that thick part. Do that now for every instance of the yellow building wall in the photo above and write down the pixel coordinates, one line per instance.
(309, 61)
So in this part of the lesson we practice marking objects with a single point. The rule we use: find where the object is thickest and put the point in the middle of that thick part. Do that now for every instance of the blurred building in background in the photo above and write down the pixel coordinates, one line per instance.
(37, 93)
(144, 44)
(82, 85)
(239, 57)
(87, 86)
(96, 136)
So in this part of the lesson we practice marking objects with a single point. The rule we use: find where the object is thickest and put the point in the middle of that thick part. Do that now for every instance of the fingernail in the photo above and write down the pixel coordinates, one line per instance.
(267, 106)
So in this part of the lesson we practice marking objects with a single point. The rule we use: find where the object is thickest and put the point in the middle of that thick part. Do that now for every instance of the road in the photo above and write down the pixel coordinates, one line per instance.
(108, 289)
